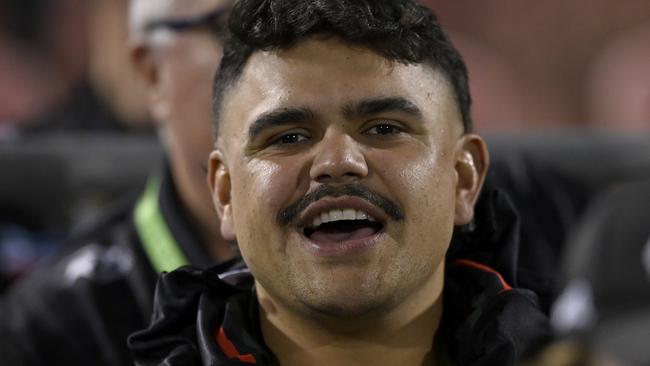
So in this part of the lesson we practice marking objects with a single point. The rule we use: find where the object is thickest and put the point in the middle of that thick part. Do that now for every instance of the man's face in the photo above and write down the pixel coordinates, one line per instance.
(324, 132)
(183, 63)
(187, 71)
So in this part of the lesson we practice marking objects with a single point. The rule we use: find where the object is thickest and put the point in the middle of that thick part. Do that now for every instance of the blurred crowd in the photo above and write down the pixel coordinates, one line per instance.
(64, 70)
(64, 66)
(534, 67)
(542, 64)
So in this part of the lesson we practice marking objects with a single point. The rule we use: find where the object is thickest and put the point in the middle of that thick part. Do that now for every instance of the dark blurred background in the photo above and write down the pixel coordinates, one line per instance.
(549, 64)
(74, 131)
(533, 65)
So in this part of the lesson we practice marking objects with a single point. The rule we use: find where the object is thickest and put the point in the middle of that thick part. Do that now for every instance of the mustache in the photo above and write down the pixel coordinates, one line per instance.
(290, 213)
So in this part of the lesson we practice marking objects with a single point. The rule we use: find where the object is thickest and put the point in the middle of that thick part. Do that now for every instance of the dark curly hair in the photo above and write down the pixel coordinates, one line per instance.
(399, 30)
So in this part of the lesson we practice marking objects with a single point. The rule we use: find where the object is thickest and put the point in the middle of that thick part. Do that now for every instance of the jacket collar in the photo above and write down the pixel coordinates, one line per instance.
(167, 236)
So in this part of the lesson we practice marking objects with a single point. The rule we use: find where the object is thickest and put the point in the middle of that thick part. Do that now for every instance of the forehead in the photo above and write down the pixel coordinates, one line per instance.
(144, 11)
(185, 8)
(325, 74)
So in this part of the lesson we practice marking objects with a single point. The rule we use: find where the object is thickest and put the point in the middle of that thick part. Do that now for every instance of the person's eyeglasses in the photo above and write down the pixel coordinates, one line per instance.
(214, 21)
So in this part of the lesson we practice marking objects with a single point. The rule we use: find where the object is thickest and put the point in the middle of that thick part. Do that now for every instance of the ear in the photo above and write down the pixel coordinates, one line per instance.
(472, 161)
(220, 186)
(148, 69)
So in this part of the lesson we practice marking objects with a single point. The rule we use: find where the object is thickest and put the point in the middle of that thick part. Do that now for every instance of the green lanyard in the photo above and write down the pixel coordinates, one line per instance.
(164, 253)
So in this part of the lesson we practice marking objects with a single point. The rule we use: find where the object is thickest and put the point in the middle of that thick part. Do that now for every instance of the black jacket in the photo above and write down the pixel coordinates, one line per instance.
(80, 309)
(210, 317)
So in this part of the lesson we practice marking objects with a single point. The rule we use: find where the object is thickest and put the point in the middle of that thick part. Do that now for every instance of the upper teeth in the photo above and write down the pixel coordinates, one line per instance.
(340, 215)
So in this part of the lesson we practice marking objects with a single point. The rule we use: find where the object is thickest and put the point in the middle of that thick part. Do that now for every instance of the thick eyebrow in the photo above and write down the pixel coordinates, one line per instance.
(372, 106)
(279, 117)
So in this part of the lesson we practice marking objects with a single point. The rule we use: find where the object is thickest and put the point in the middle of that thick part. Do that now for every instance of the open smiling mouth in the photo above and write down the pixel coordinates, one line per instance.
(340, 226)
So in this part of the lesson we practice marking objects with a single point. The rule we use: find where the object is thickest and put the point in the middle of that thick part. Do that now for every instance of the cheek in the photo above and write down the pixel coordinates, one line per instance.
(193, 65)
(266, 187)
(419, 175)
(423, 182)
(190, 90)
(192, 86)
(190, 119)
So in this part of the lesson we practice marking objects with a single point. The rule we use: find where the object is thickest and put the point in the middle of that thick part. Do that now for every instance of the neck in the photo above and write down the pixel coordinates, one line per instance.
(198, 204)
(402, 336)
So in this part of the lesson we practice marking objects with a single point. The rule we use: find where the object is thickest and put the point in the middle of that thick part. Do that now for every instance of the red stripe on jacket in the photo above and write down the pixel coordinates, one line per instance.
(470, 263)
(229, 348)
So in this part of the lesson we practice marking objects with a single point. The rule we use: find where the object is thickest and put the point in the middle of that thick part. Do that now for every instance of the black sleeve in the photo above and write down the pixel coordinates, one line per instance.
(77, 312)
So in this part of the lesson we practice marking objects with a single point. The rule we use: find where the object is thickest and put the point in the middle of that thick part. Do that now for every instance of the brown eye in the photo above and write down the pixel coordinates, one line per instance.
(384, 129)
(290, 138)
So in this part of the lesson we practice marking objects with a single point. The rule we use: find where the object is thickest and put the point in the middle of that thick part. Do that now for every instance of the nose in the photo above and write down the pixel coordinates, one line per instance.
(338, 159)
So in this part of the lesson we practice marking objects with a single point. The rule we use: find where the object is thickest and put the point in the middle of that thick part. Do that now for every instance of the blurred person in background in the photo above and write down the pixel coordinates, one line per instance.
(540, 55)
(63, 62)
(80, 309)
(40, 61)
(105, 96)
(43, 55)
(603, 314)
(65, 76)
(618, 88)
